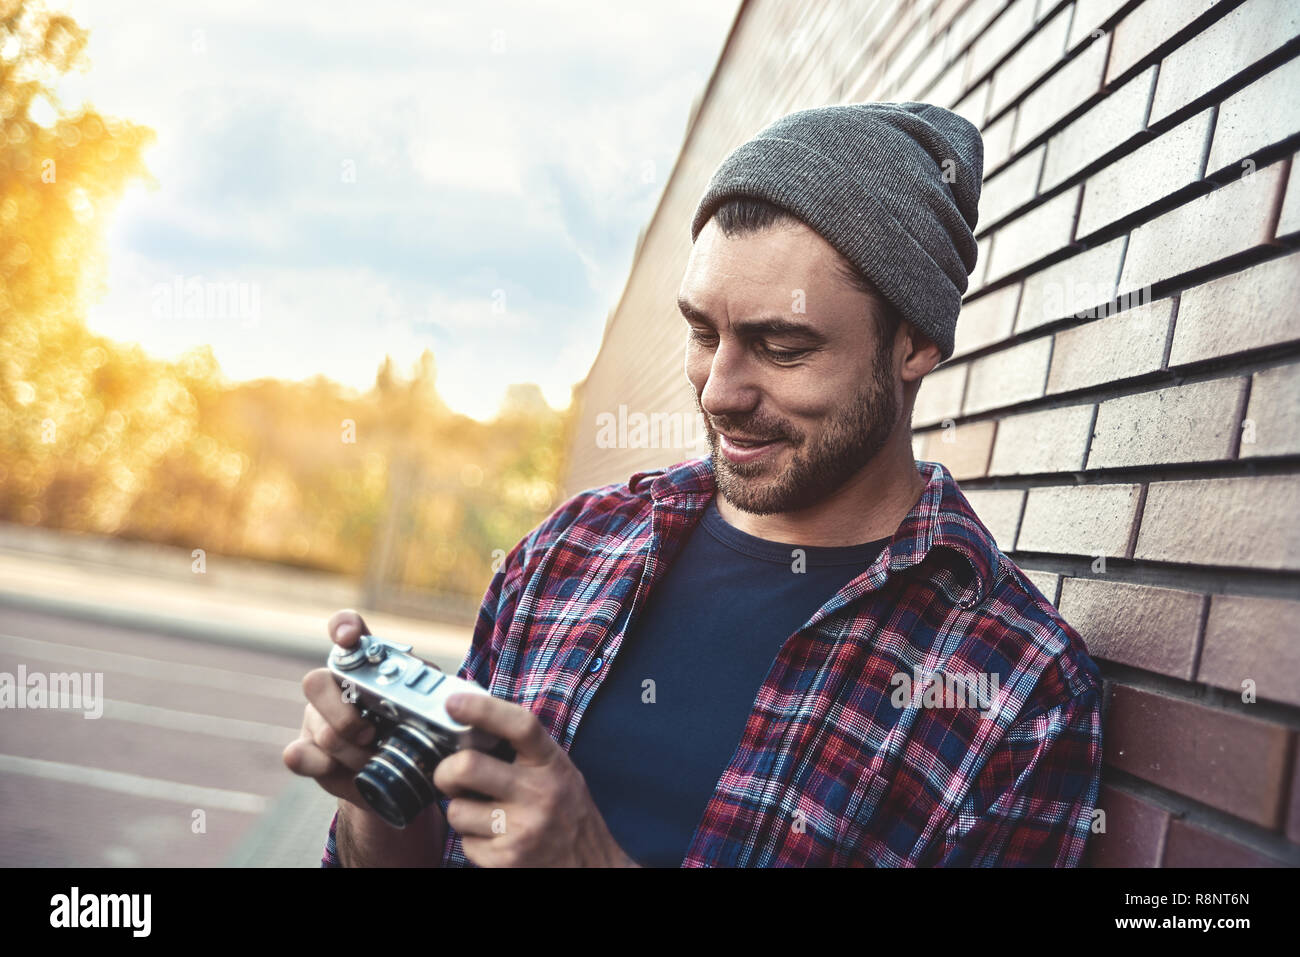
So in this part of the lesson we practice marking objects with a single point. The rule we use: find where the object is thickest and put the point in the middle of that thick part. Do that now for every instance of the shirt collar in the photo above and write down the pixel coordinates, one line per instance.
(942, 518)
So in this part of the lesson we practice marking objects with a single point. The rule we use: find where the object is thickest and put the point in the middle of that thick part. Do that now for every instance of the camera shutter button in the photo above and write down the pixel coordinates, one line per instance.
(390, 670)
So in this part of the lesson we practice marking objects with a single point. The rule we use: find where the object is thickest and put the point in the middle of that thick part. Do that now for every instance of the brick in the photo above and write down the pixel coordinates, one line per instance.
(1264, 113)
(997, 141)
(1090, 15)
(983, 247)
(1247, 522)
(1186, 423)
(1190, 846)
(918, 62)
(1000, 37)
(1155, 629)
(964, 449)
(1011, 188)
(1033, 235)
(948, 88)
(1043, 9)
(1270, 425)
(939, 396)
(1079, 520)
(969, 24)
(1007, 377)
(1232, 219)
(1145, 176)
(999, 510)
(1022, 69)
(971, 106)
(1253, 638)
(1147, 27)
(1121, 346)
(1289, 220)
(1222, 50)
(1045, 582)
(1218, 757)
(1113, 121)
(1061, 93)
(1053, 440)
(1134, 835)
(986, 320)
(1073, 287)
(1244, 310)
(945, 12)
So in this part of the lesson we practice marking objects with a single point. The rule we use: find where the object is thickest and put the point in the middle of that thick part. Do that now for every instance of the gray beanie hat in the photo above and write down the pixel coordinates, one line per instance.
(894, 187)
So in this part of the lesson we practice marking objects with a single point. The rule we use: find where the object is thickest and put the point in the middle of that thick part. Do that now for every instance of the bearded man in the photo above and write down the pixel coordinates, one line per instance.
(757, 658)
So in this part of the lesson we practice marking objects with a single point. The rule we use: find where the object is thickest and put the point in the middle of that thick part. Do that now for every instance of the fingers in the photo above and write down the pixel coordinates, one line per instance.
(325, 737)
(304, 758)
(346, 628)
(326, 696)
(473, 773)
(472, 818)
(505, 719)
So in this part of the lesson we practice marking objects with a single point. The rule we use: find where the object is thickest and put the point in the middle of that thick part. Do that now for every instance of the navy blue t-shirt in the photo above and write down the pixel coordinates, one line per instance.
(668, 717)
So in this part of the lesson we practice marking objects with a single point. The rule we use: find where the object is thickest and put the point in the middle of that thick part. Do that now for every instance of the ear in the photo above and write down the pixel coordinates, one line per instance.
(919, 354)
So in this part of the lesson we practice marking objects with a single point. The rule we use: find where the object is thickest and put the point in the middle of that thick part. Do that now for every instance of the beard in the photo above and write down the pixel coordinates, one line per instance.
(853, 435)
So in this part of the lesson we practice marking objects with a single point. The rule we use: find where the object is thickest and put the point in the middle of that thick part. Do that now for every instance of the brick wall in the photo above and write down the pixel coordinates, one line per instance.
(1122, 406)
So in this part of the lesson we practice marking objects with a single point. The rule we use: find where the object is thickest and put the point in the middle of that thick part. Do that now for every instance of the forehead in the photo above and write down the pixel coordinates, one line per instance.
(765, 269)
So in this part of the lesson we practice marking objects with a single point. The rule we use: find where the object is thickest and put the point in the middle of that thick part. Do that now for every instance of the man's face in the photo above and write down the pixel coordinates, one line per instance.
(783, 349)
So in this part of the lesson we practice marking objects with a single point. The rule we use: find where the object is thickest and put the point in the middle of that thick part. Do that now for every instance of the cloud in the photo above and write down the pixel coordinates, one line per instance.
(390, 181)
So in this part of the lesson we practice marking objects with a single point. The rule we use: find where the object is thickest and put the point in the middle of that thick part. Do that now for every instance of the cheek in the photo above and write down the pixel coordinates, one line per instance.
(697, 366)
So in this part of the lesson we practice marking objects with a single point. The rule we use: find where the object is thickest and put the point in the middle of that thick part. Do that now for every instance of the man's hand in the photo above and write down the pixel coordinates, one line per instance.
(334, 744)
(538, 811)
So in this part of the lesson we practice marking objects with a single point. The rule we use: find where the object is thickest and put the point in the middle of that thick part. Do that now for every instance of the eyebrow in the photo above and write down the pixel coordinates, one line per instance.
(763, 326)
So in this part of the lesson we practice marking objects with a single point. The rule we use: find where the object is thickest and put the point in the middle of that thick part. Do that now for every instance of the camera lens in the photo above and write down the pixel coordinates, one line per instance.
(396, 781)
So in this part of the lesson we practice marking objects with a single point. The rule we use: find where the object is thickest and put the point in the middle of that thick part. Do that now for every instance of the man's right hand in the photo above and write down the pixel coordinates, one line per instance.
(335, 743)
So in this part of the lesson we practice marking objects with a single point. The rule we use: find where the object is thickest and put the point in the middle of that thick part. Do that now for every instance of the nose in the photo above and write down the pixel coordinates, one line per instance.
(729, 388)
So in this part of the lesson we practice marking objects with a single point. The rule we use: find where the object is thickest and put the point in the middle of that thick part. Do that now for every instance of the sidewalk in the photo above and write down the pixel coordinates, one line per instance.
(153, 588)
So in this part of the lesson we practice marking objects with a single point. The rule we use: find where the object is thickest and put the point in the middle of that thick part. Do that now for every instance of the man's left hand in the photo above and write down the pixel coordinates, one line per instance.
(538, 811)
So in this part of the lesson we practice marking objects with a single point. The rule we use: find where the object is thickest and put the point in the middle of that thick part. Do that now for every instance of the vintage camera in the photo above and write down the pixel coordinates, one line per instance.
(406, 699)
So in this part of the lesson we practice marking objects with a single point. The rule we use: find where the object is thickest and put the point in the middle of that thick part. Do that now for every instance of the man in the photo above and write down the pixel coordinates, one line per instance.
(827, 662)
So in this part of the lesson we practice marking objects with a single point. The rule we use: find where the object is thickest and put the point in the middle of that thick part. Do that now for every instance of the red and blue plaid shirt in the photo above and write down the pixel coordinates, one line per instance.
(835, 767)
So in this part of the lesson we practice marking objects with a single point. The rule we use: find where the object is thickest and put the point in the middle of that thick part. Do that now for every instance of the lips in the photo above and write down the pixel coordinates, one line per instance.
(739, 450)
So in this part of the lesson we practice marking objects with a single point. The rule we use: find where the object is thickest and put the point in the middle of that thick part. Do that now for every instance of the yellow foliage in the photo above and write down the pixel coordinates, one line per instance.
(96, 436)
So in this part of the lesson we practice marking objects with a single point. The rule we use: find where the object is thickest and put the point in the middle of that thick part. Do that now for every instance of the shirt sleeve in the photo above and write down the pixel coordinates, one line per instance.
(1032, 802)
(331, 855)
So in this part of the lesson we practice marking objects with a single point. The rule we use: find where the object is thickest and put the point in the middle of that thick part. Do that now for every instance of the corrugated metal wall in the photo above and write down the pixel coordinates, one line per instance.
(1141, 460)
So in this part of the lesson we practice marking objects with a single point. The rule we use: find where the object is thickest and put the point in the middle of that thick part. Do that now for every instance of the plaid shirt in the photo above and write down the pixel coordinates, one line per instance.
(837, 765)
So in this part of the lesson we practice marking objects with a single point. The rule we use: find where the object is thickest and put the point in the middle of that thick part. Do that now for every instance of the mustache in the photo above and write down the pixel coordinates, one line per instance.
(762, 435)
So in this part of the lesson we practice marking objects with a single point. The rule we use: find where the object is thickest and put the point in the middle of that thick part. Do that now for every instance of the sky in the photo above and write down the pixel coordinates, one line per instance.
(334, 188)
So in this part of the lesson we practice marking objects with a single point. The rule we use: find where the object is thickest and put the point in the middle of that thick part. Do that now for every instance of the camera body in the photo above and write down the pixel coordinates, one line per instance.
(406, 698)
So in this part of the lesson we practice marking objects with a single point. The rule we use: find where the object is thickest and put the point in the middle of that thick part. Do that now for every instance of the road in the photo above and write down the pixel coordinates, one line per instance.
(183, 768)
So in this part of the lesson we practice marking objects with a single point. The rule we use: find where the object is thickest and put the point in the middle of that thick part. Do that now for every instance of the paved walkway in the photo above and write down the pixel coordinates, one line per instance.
(256, 607)
(177, 734)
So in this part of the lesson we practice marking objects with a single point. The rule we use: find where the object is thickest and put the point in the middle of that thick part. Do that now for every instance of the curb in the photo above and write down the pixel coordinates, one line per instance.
(239, 636)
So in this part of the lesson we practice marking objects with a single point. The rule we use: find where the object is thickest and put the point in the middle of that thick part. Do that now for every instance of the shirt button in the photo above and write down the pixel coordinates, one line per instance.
(595, 665)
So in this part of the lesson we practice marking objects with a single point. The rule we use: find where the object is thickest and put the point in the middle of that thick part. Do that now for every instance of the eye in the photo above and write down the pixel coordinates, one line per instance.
(701, 336)
(781, 355)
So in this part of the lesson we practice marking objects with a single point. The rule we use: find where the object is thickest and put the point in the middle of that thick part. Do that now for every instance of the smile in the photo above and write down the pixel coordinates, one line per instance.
(738, 450)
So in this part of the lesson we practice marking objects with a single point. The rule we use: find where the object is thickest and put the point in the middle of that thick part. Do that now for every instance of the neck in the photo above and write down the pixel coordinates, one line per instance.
(869, 507)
